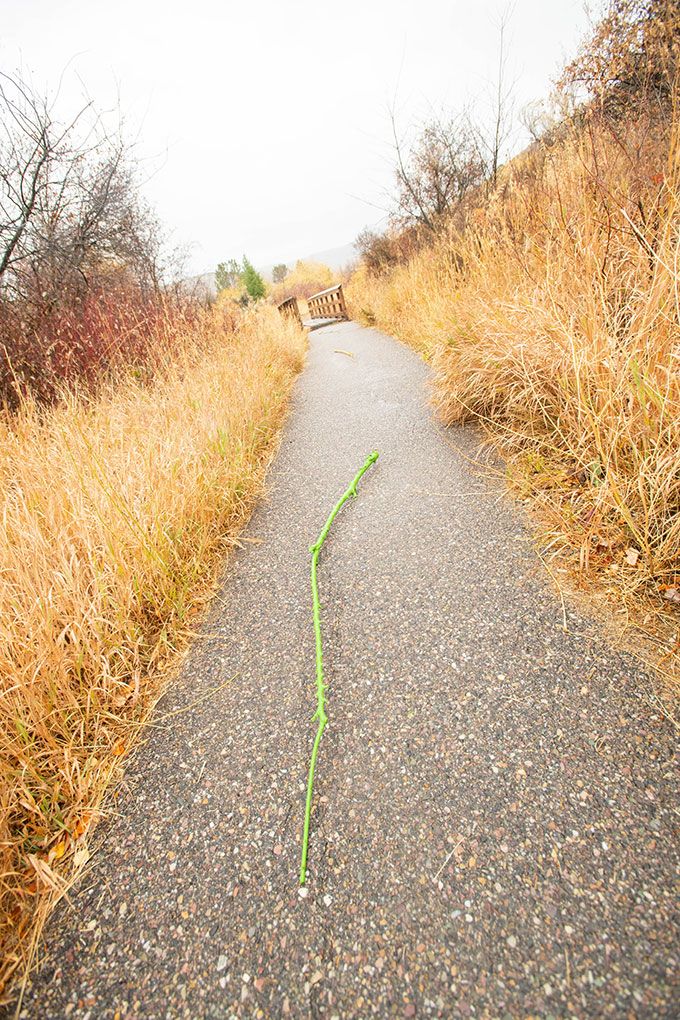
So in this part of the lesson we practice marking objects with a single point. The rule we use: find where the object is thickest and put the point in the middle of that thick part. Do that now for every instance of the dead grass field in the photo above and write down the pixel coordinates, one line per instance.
(116, 512)
(554, 320)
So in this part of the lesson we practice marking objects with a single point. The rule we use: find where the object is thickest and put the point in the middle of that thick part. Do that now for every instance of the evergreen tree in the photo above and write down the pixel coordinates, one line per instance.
(252, 281)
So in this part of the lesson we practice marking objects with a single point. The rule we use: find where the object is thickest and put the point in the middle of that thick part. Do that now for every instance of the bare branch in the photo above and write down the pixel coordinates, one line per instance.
(70, 212)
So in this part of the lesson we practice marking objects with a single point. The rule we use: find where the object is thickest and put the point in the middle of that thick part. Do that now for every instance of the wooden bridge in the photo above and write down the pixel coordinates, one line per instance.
(325, 307)
(328, 304)
(289, 309)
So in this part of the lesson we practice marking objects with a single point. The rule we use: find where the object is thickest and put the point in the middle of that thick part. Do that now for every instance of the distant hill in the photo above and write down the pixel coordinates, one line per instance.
(336, 258)
(203, 285)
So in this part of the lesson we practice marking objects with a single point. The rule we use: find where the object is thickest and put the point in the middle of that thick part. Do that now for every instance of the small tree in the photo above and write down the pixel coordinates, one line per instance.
(71, 217)
(279, 273)
(227, 275)
(435, 175)
(252, 281)
(494, 134)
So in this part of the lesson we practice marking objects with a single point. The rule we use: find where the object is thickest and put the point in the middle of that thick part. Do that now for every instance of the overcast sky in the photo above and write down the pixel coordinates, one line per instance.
(268, 123)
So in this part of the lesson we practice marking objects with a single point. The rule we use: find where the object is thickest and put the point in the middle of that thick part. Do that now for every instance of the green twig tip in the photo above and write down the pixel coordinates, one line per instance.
(321, 687)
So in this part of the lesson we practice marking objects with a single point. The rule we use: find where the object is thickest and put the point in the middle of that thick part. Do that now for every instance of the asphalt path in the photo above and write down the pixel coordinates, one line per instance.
(495, 825)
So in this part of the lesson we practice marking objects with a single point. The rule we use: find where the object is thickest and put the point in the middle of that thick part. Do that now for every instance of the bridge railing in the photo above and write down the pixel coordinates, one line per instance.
(289, 308)
(328, 304)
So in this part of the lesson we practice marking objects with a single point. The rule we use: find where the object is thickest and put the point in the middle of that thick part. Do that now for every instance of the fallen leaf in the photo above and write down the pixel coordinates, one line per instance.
(81, 827)
(672, 595)
(81, 856)
(57, 851)
(119, 746)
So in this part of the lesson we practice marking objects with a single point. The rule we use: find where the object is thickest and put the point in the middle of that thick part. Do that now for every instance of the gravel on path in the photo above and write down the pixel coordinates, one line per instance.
(495, 827)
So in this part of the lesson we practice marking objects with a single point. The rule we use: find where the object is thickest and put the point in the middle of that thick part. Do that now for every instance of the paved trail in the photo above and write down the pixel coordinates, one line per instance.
(496, 826)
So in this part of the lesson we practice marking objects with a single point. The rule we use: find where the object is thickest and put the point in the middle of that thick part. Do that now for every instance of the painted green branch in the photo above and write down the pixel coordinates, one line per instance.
(320, 713)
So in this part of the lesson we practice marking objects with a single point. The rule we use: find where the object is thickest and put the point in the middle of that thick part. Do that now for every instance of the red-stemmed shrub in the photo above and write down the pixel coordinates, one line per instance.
(83, 342)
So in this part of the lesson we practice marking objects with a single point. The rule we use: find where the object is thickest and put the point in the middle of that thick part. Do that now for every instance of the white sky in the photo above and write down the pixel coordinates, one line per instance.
(268, 122)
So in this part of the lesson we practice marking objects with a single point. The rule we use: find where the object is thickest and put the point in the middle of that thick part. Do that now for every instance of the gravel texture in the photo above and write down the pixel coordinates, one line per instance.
(495, 829)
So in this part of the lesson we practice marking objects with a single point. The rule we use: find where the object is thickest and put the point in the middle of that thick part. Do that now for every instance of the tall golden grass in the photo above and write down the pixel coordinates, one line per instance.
(115, 512)
(555, 320)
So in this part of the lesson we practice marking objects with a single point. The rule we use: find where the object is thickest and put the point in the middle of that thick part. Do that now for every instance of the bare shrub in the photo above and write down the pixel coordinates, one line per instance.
(82, 259)
(70, 213)
(383, 252)
(434, 175)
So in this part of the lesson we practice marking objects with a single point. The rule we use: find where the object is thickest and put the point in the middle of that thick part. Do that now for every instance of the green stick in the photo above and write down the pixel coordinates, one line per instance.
(320, 713)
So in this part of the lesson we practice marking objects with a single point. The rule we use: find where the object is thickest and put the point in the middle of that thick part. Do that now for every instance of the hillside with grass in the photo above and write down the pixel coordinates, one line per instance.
(544, 293)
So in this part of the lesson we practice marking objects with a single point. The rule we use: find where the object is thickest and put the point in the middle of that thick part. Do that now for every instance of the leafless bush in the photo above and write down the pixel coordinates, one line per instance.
(71, 217)
(382, 252)
(435, 174)
(82, 259)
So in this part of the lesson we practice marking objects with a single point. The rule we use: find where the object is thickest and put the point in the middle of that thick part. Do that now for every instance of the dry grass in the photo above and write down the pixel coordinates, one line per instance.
(115, 513)
(555, 321)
